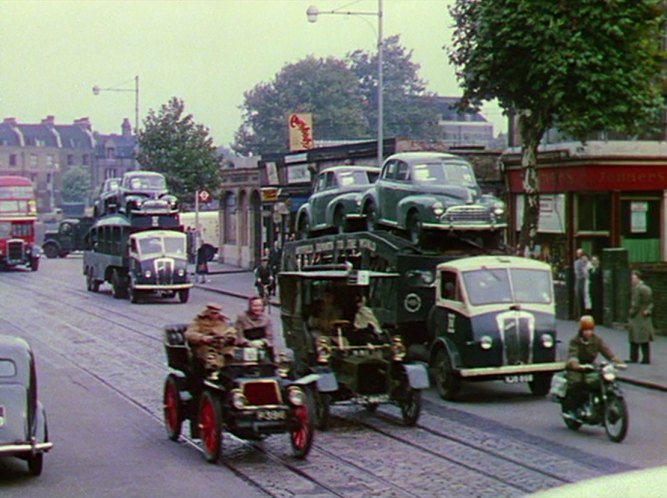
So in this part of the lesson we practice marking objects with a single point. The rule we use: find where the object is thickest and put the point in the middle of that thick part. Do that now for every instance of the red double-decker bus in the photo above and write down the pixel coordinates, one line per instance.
(18, 214)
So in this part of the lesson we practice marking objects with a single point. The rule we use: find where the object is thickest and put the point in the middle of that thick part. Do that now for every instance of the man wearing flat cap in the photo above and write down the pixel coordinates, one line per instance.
(208, 335)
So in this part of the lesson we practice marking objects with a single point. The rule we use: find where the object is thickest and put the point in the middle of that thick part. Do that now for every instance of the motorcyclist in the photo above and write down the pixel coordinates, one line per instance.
(582, 352)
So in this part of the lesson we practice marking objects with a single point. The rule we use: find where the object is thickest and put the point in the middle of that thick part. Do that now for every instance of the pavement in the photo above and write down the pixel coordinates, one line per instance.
(652, 376)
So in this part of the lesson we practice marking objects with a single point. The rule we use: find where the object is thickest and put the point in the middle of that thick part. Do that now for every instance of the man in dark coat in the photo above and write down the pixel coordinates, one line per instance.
(640, 325)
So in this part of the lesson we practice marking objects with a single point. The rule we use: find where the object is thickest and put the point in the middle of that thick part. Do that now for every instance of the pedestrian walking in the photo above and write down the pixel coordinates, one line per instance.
(202, 263)
(275, 256)
(640, 325)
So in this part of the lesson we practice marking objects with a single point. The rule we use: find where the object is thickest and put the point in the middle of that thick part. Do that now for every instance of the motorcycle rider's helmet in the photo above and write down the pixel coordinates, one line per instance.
(586, 322)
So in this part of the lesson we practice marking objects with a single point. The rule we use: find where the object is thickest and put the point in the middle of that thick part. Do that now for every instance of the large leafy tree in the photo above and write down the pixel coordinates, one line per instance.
(579, 65)
(405, 112)
(173, 144)
(75, 185)
(324, 87)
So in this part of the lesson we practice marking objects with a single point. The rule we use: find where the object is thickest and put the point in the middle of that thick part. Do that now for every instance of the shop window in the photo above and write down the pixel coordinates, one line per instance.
(593, 212)
(640, 229)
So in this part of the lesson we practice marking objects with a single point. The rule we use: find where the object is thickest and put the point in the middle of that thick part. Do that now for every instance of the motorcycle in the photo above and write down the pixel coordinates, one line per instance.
(604, 403)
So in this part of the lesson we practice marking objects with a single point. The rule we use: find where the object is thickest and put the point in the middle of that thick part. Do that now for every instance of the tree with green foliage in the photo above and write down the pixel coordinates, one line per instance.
(324, 87)
(405, 112)
(75, 185)
(173, 144)
(582, 66)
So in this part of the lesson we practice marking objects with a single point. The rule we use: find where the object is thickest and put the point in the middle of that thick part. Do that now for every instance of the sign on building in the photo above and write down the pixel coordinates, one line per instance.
(300, 126)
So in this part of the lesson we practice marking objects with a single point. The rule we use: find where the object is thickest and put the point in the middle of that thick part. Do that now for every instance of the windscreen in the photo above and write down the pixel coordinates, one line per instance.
(494, 286)
(444, 173)
(169, 245)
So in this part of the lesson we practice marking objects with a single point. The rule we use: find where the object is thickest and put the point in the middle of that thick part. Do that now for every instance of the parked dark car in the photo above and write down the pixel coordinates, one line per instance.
(252, 396)
(494, 319)
(68, 238)
(335, 201)
(23, 430)
(420, 192)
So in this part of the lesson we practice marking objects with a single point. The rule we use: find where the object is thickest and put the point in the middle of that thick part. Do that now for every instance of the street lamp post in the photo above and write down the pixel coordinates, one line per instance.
(97, 90)
(312, 14)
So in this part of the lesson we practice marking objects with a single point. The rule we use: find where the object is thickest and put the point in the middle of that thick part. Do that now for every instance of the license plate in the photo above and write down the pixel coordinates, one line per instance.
(372, 398)
(516, 379)
(271, 415)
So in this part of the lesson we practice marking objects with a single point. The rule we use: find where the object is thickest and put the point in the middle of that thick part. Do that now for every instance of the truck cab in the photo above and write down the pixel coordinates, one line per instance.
(69, 237)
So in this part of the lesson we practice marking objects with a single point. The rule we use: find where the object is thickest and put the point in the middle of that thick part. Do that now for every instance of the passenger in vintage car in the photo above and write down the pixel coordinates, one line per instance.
(254, 326)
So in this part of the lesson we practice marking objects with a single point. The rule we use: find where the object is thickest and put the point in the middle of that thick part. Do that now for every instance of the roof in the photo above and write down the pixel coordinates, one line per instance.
(158, 233)
(480, 262)
(14, 181)
(423, 156)
(351, 167)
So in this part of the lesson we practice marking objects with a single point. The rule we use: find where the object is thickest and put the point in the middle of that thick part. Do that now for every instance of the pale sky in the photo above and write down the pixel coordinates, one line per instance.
(208, 53)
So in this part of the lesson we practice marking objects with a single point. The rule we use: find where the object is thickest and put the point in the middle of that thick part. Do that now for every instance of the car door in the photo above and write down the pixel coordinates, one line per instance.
(320, 198)
(386, 195)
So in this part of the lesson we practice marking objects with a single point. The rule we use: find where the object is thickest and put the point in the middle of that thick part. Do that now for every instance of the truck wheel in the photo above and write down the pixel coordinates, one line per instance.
(50, 251)
(540, 384)
(119, 288)
(446, 383)
(134, 295)
(91, 284)
(184, 295)
(34, 264)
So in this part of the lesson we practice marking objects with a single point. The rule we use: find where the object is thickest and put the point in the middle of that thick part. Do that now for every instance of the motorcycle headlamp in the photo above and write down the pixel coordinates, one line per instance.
(296, 396)
(239, 401)
(609, 373)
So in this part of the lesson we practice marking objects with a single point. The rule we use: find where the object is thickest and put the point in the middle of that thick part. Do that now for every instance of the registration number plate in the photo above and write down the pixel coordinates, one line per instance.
(516, 379)
(271, 415)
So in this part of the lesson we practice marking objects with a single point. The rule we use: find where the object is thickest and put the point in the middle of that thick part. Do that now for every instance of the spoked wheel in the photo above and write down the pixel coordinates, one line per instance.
(210, 426)
(173, 408)
(301, 435)
(36, 464)
(540, 384)
(446, 383)
(616, 419)
(323, 409)
(411, 405)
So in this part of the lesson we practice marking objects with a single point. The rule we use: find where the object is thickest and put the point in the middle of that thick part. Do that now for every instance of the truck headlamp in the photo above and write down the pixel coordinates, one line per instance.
(296, 396)
(486, 343)
(547, 341)
(239, 401)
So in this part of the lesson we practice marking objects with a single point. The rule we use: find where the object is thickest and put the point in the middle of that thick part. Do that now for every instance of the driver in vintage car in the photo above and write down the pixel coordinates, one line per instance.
(583, 350)
(209, 336)
(367, 328)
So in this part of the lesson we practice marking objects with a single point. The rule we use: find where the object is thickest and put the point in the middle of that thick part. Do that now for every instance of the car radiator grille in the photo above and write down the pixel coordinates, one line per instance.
(517, 331)
(467, 214)
(164, 271)
(260, 393)
(15, 250)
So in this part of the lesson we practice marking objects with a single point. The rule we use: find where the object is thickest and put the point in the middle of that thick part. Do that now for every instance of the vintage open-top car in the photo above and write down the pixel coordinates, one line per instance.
(493, 319)
(252, 396)
(334, 203)
(422, 192)
(351, 365)
(23, 430)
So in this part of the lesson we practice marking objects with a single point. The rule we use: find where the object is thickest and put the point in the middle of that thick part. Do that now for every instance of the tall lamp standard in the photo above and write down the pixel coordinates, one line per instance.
(312, 12)
(97, 90)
